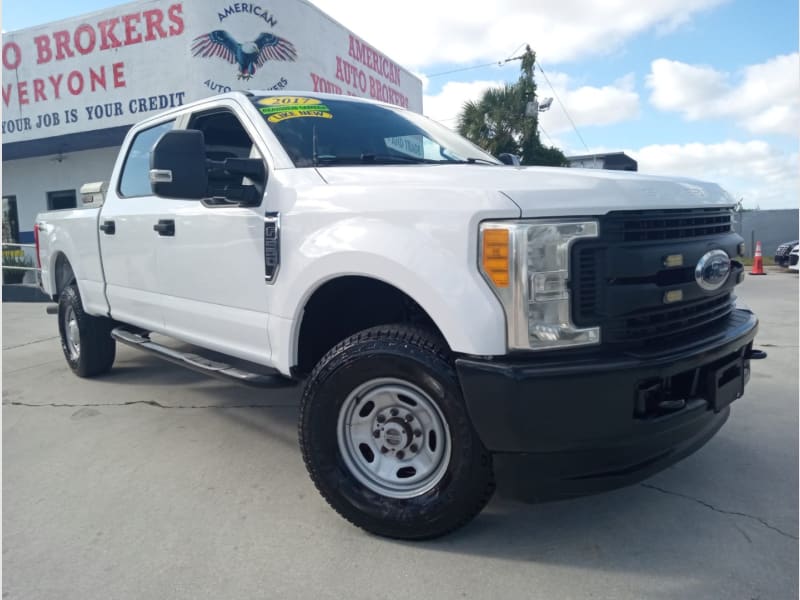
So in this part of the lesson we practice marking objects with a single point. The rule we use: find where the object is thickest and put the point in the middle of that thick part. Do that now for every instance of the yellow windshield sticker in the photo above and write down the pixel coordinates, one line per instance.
(282, 115)
(288, 100)
(280, 108)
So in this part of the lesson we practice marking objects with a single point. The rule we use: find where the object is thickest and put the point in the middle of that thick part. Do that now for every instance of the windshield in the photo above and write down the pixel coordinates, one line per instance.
(317, 132)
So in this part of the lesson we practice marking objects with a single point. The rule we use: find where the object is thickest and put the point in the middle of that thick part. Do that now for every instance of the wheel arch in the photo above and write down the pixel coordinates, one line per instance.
(63, 273)
(358, 302)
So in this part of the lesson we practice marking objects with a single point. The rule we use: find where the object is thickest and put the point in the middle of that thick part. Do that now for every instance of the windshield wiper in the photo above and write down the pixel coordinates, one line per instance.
(369, 158)
(396, 157)
(472, 161)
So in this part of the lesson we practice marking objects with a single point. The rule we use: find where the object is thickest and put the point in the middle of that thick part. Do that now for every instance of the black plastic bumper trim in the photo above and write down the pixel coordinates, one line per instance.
(563, 403)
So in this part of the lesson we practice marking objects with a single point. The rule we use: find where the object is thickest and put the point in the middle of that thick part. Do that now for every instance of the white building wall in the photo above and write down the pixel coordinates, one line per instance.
(112, 68)
(29, 179)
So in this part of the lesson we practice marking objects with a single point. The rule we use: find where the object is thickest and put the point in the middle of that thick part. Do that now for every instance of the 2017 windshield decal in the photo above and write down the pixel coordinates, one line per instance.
(280, 108)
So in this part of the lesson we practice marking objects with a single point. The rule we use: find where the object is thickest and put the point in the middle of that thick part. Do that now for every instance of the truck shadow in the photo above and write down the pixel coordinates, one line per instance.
(666, 527)
(270, 412)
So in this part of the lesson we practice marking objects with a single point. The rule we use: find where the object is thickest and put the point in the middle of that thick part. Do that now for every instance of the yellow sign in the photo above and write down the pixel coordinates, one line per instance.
(280, 108)
(288, 100)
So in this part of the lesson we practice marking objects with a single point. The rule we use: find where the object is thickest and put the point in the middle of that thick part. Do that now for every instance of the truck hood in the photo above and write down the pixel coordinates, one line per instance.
(543, 191)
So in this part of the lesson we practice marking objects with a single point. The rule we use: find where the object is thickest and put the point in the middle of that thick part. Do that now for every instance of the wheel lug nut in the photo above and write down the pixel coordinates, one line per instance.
(409, 418)
(400, 454)
(376, 433)
(394, 412)
(381, 418)
(417, 432)
(413, 448)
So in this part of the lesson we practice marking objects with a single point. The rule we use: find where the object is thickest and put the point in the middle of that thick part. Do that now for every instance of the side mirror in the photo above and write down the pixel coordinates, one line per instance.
(178, 165)
(509, 159)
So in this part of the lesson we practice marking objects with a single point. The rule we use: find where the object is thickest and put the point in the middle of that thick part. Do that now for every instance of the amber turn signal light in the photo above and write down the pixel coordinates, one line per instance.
(495, 257)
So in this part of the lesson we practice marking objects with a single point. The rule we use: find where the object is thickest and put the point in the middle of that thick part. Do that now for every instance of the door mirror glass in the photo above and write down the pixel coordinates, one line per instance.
(178, 165)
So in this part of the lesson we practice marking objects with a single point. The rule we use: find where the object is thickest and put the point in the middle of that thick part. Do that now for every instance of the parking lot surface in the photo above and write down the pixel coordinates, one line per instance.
(156, 482)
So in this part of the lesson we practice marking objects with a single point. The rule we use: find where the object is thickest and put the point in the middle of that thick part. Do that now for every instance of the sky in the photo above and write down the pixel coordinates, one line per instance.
(702, 88)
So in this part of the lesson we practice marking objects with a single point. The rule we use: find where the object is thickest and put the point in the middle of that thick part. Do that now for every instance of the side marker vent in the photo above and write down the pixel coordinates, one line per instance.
(272, 245)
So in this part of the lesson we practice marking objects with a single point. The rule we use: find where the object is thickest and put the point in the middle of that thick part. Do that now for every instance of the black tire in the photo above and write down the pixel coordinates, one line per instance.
(96, 349)
(392, 353)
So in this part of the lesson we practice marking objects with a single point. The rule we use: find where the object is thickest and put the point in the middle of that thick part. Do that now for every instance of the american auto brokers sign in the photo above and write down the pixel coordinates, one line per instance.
(118, 66)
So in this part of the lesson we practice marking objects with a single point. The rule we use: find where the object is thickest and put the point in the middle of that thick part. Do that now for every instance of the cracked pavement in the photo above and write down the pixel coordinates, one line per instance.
(156, 482)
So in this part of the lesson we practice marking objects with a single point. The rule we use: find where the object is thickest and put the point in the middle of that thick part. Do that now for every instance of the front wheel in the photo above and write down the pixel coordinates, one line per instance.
(387, 439)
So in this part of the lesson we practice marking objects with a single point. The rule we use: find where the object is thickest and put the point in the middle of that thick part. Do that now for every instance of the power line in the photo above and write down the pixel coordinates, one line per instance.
(563, 106)
(498, 63)
(517, 50)
(549, 139)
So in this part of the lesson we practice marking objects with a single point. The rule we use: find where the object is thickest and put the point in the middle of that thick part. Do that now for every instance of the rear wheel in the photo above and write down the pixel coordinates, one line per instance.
(386, 437)
(86, 340)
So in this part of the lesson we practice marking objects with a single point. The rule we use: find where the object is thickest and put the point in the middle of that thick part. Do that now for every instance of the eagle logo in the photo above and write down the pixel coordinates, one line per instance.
(247, 55)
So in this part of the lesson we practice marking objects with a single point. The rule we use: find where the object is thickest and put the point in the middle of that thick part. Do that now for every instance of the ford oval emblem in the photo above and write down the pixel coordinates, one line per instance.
(712, 270)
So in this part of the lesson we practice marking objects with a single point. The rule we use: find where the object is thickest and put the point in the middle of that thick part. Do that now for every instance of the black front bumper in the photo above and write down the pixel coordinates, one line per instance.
(598, 420)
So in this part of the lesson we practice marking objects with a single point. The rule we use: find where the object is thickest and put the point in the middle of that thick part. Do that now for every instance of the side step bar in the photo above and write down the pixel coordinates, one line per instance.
(201, 364)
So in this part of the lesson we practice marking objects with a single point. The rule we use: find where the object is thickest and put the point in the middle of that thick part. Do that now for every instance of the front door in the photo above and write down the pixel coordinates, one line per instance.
(212, 269)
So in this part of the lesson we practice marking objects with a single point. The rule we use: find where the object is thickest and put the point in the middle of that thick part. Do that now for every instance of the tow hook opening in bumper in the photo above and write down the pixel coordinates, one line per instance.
(718, 384)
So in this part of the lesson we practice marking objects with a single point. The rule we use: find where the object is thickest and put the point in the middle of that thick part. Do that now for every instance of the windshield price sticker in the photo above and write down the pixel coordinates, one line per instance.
(280, 108)
(288, 100)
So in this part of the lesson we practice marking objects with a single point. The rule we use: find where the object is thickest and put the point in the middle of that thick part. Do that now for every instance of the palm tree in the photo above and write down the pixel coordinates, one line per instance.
(497, 122)
(491, 121)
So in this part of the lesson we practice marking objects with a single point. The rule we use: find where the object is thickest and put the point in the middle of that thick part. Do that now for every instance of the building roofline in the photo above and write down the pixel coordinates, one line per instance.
(598, 155)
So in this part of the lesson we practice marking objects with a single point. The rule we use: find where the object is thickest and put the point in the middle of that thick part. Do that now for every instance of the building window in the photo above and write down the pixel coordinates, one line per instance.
(61, 200)
(135, 180)
(10, 220)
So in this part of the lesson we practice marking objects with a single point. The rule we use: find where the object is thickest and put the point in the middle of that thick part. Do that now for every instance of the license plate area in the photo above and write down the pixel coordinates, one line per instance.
(725, 383)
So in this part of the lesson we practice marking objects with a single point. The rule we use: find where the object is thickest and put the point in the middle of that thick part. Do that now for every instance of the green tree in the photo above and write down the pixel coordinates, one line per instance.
(497, 122)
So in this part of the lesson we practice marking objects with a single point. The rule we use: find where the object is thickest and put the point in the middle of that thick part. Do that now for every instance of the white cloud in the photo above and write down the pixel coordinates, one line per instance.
(764, 98)
(419, 33)
(587, 105)
(761, 174)
(446, 105)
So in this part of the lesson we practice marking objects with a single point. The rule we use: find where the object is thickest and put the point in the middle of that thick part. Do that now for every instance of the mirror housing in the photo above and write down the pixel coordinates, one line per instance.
(509, 159)
(178, 165)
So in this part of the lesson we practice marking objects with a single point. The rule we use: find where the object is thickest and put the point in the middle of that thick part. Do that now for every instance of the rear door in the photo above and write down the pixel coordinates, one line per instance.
(212, 271)
(128, 242)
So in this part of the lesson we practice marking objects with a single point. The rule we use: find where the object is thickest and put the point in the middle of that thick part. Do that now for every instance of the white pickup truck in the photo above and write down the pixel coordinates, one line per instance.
(451, 318)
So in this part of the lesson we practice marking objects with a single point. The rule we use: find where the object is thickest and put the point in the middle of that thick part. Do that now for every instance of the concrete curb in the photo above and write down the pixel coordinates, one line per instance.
(23, 293)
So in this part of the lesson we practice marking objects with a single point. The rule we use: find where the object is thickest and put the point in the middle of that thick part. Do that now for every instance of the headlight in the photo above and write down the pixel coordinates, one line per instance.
(527, 265)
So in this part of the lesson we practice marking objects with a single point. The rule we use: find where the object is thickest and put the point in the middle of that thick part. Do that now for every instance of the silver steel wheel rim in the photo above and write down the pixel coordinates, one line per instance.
(393, 438)
(72, 333)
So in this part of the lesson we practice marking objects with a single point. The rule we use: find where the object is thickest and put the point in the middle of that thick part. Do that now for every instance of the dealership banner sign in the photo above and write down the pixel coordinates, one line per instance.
(115, 67)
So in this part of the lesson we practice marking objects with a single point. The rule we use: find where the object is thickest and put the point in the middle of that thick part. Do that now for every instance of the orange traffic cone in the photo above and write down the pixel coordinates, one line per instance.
(758, 262)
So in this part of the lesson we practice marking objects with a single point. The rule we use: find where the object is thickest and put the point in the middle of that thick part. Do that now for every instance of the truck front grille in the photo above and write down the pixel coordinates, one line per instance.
(619, 280)
(658, 225)
(663, 323)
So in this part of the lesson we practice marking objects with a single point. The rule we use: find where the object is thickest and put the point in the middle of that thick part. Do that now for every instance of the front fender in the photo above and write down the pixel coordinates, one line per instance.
(433, 262)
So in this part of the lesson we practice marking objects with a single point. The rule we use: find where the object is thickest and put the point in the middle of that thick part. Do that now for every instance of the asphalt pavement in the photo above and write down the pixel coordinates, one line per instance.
(156, 482)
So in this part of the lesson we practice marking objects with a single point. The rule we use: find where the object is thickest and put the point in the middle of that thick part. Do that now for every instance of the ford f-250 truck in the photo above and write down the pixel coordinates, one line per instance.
(448, 315)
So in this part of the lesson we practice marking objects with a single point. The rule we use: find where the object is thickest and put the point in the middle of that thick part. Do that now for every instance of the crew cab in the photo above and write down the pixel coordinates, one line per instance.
(449, 317)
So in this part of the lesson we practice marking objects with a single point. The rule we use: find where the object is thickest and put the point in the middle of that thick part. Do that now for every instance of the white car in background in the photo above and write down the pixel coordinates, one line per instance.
(793, 258)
